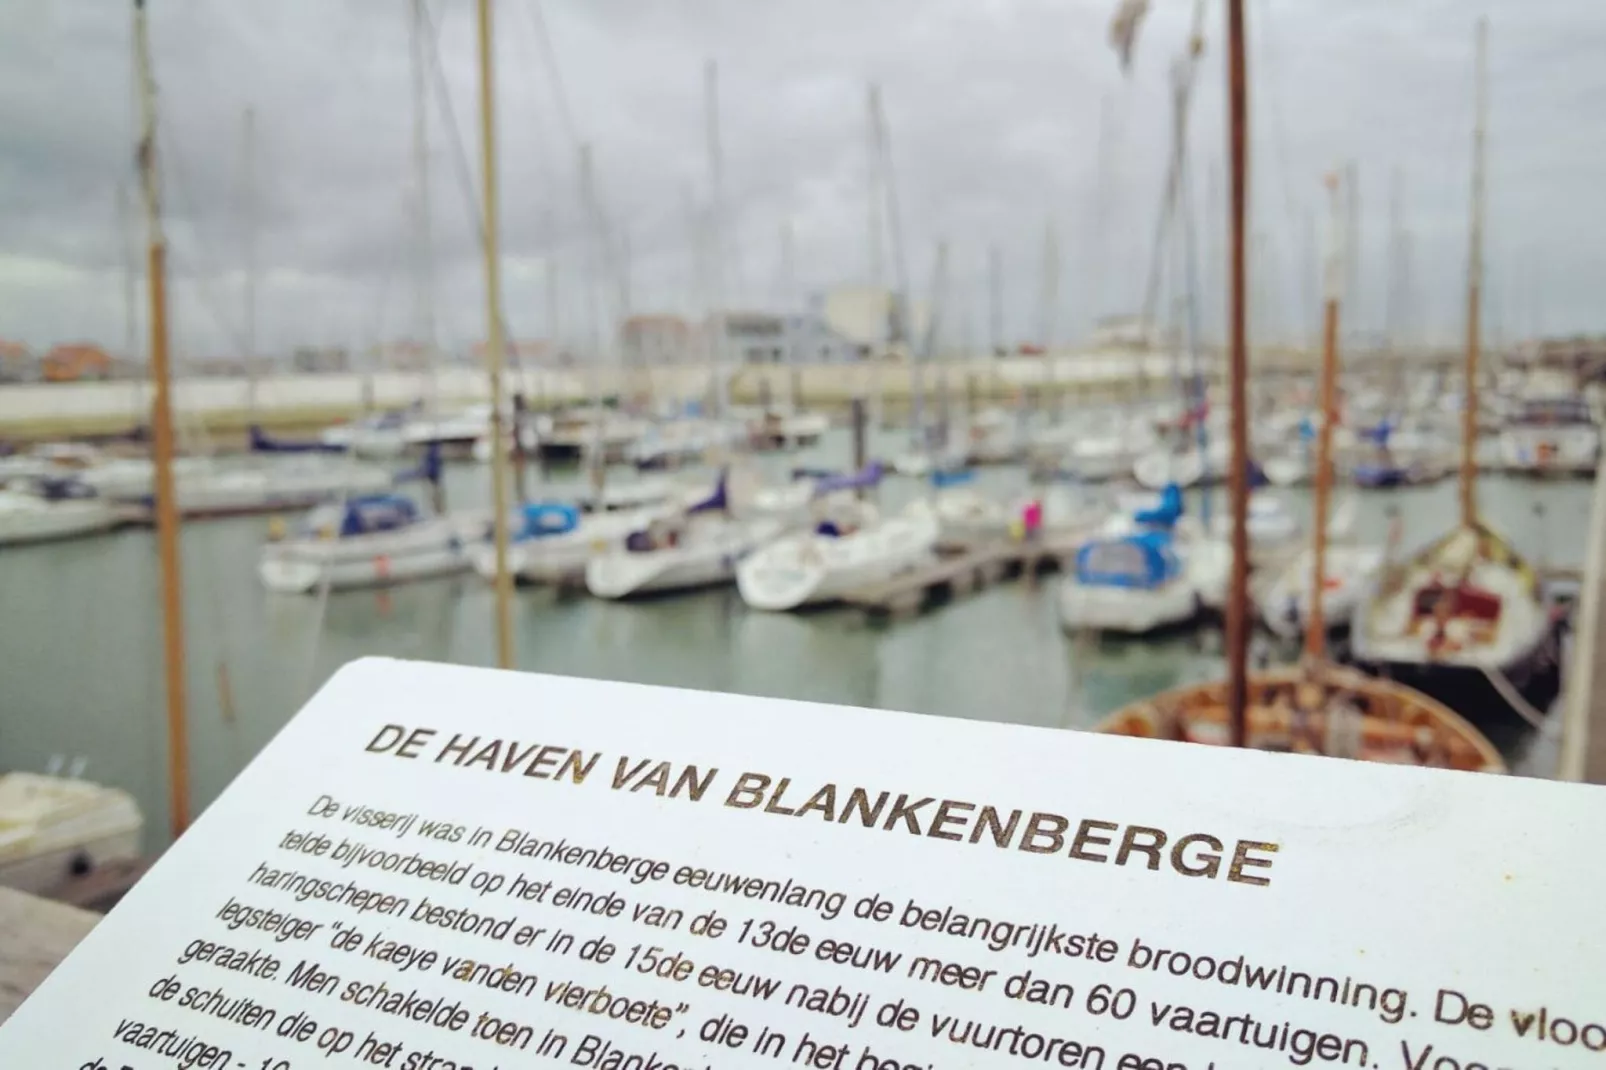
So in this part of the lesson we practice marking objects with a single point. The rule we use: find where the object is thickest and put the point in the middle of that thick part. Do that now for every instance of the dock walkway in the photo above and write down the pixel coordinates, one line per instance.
(961, 570)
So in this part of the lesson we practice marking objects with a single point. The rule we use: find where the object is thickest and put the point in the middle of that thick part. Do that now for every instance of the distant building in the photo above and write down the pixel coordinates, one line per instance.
(776, 338)
(16, 363)
(863, 316)
(654, 340)
(1125, 332)
(320, 359)
(73, 362)
(515, 352)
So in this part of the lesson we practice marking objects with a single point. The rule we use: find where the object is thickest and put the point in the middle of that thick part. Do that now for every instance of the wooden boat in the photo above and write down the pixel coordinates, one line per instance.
(1320, 708)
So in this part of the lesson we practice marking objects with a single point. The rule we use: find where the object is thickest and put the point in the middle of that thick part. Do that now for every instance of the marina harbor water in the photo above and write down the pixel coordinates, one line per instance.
(81, 651)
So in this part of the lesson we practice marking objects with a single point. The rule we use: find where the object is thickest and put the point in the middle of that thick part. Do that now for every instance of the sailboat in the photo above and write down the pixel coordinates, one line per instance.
(1148, 570)
(43, 509)
(54, 828)
(371, 540)
(553, 538)
(848, 546)
(1464, 620)
(697, 547)
(1316, 707)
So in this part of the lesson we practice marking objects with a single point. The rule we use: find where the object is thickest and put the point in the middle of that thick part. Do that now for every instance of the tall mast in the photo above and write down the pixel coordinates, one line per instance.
(595, 460)
(249, 207)
(790, 307)
(1316, 622)
(423, 252)
(995, 298)
(716, 236)
(167, 522)
(494, 353)
(1352, 238)
(1469, 408)
(1237, 373)
(1048, 313)
(873, 182)
(1398, 297)
(898, 327)
(554, 331)
(125, 231)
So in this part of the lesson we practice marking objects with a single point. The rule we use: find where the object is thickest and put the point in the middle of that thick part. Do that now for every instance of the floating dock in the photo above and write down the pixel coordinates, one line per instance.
(961, 570)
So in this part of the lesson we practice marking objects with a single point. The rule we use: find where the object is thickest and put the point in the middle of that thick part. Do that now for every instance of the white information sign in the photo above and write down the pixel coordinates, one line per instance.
(438, 868)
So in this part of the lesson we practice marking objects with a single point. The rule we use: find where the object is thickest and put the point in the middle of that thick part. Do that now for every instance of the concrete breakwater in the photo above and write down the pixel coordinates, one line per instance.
(31, 411)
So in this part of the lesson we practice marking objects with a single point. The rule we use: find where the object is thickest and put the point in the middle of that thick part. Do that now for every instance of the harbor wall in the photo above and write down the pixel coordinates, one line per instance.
(31, 411)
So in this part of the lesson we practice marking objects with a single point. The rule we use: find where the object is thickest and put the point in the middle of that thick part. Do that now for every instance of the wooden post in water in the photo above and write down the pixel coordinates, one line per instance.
(495, 340)
(167, 519)
(1469, 407)
(1237, 638)
(1316, 619)
(860, 438)
(520, 414)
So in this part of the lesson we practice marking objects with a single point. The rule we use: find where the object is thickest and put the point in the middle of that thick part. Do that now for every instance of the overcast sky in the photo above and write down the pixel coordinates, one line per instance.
(1004, 116)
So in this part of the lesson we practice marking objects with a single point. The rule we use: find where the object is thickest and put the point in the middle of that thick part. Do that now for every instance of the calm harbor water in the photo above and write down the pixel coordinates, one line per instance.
(80, 637)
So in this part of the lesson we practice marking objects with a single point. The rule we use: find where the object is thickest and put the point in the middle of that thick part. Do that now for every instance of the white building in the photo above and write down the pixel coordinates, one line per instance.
(862, 315)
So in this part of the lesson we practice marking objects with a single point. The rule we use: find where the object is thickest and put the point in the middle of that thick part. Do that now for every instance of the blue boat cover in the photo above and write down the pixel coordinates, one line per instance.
(1378, 434)
(428, 470)
(1141, 562)
(1167, 512)
(373, 513)
(852, 481)
(57, 489)
(1379, 475)
(955, 478)
(539, 519)
(262, 442)
(715, 502)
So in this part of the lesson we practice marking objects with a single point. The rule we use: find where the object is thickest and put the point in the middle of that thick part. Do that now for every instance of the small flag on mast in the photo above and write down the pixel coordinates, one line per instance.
(1124, 29)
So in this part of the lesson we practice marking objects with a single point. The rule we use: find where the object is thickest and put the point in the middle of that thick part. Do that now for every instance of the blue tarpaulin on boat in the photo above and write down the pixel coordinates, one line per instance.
(539, 519)
(715, 502)
(262, 442)
(1379, 475)
(852, 481)
(1166, 512)
(428, 470)
(955, 478)
(1378, 434)
(1141, 562)
(374, 513)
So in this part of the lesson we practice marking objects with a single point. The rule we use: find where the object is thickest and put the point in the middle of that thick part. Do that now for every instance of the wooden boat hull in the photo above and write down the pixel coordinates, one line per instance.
(1535, 674)
(1397, 724)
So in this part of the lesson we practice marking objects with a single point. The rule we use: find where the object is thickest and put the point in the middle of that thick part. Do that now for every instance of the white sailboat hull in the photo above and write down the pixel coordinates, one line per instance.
(811, 569)
(1084, 607)
(1350, 573)
(1571, 450)
(1287, 471)
(53, 828)
(1156, 469)
(557, 558)
(435, 547)
(27, 518)
(203, 490)
(707, 557)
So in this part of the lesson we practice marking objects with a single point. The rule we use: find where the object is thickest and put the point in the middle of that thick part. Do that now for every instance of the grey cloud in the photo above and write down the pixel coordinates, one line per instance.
(994, 112)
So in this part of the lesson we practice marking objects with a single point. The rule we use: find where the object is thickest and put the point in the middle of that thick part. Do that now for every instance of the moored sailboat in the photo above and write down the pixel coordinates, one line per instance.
(698, 547)
(1464, 620)
(1315, 707)
(44, 509)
